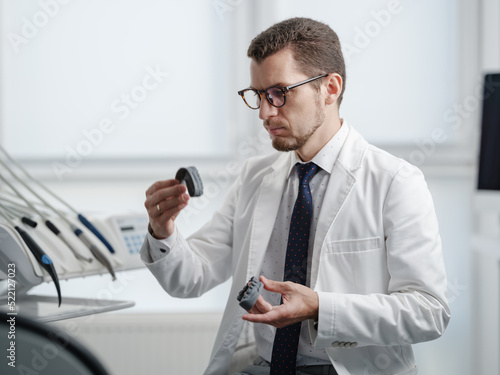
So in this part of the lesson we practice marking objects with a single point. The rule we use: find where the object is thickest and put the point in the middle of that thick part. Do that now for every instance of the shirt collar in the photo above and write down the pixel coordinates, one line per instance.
(328, 155)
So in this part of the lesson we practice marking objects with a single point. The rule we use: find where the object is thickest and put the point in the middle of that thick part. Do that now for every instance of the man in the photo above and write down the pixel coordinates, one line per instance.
(342, 234)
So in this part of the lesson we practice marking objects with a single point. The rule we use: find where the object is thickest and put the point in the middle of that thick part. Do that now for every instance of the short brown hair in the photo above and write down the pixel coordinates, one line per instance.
(315, 46)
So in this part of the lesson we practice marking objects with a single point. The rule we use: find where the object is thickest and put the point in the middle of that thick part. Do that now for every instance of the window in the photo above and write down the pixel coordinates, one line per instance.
(114, 79)
(121, 80)
(403, 64)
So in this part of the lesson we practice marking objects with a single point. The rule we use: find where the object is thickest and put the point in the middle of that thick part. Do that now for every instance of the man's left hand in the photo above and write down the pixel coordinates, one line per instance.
(299, 303)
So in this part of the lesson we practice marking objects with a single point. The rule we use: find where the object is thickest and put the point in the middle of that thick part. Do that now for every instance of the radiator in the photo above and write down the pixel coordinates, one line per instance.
(132, 344)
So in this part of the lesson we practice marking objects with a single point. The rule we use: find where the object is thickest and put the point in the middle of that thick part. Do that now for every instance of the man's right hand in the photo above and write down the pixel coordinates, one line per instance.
(164, 200)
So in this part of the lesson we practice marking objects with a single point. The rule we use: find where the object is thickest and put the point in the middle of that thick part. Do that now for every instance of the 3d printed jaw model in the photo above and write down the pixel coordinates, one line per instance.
(249, 294)
(191, 178)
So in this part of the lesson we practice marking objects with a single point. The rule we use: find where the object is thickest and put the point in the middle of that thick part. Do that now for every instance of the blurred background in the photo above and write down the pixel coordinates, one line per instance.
(100, 99)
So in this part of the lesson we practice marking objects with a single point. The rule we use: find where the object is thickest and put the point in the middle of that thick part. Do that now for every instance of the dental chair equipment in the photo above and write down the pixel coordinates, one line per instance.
(58, 250)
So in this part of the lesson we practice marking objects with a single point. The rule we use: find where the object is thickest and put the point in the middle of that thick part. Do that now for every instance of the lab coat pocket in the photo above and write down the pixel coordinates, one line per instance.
(354, 266)
(354, 245)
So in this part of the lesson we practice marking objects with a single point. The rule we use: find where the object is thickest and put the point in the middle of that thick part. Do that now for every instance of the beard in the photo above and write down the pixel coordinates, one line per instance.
(295, 142)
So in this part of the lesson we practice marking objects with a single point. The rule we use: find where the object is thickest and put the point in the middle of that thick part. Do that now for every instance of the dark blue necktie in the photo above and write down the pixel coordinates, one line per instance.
(286, 340)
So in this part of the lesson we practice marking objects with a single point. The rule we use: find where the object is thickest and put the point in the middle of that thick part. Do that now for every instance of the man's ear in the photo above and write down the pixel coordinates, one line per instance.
(333, 88)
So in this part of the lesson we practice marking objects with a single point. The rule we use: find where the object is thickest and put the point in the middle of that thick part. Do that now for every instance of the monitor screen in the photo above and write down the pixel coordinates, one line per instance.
(489, 152)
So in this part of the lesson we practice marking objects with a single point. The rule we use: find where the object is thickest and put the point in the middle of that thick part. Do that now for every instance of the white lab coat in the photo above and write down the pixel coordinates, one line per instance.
(377, 263)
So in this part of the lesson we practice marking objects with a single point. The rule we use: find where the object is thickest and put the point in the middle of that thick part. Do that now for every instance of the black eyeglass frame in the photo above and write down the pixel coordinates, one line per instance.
(284, 90)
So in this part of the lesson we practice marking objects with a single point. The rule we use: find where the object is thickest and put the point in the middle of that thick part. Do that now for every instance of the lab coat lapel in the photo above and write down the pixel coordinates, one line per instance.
(265, 213)
(261, 226)
(340, 185)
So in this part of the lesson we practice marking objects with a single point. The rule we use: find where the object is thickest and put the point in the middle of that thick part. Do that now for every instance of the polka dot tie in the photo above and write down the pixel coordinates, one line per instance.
(286, 340)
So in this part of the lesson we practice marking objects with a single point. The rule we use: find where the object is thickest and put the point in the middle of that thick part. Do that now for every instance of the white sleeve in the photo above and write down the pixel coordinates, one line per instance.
(187, 268)
(154, 249)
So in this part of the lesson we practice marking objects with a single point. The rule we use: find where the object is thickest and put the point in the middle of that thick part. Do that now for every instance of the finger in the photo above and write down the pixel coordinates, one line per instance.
(261, 306)
(174, 211)
(271, 317)
(169, 208)
(177, 191)
(167, 193)
(172, 203)
(161, 185)
(274, 286)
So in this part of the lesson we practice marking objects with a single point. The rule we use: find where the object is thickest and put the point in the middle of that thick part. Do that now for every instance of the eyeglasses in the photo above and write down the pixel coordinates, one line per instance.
(275, 95)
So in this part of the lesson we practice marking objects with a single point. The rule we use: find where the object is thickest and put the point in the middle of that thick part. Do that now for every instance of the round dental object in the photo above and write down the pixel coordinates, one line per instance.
(191, 178)
(249, 294)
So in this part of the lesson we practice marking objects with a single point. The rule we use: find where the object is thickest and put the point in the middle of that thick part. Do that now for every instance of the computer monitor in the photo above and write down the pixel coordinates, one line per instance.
(489, 152)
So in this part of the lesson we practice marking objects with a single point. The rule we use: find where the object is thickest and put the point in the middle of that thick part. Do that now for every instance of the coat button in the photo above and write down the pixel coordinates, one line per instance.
(354, 344)
(342, 345)
(335, 344)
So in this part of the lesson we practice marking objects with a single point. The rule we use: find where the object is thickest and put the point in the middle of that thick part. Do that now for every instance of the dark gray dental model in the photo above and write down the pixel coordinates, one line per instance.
(191, 178)
(249, 294)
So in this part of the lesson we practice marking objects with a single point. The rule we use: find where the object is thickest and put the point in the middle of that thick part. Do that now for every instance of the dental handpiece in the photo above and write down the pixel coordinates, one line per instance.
(95, 251)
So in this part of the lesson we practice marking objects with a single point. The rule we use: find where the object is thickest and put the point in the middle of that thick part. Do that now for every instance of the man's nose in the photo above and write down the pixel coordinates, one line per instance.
(266, 110)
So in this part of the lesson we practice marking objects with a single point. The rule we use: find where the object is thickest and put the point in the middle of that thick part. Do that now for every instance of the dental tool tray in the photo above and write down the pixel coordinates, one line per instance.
(124, 232)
